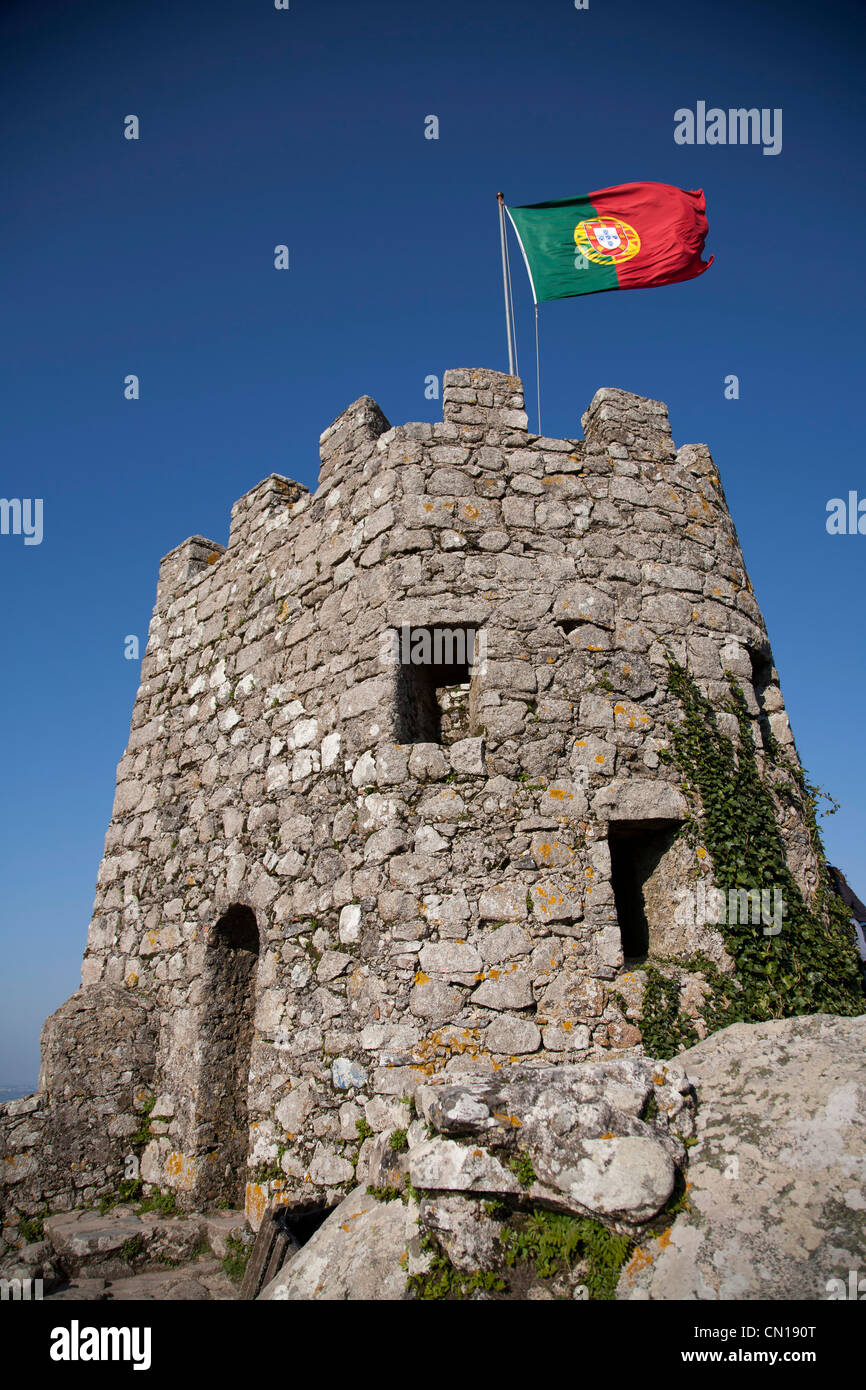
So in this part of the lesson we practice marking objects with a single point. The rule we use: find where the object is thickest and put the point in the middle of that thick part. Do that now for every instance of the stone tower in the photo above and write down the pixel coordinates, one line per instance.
(398, 797)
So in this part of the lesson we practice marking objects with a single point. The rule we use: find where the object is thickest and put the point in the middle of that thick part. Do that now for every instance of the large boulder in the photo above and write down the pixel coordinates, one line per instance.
(777, 1196)
(360, 1252)
(601, 1139)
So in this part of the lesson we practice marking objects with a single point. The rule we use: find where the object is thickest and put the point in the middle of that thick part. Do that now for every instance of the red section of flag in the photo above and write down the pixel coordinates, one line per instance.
(672, 226)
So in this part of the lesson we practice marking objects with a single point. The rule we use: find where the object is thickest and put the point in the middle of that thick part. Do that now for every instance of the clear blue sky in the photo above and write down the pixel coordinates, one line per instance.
(306, 127)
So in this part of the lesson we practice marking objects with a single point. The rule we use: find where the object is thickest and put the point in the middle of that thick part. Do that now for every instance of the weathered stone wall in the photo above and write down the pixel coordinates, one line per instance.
(431, 904)
(67, 1145)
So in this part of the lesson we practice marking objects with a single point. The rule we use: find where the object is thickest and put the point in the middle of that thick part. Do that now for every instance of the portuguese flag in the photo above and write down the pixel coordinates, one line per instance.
(625, 238)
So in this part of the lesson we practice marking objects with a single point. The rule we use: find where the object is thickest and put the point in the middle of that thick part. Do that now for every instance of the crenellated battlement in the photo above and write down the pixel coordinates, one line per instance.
(481, 408)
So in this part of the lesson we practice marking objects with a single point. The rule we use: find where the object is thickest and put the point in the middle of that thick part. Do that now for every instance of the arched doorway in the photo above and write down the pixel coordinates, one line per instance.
(222, 1122)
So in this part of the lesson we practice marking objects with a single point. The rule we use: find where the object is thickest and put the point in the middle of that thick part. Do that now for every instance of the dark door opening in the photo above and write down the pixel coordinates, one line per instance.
(636, 851)
(301, 1223)
(282, 1233)
(222, 1131)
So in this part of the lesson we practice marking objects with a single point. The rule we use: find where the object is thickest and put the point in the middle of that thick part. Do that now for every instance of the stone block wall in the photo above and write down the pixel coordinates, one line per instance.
(70, 1144)
(419, 906)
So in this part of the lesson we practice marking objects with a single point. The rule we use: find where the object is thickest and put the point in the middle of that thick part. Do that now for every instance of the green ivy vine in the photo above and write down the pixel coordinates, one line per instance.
(665, 1029)
(811, 966)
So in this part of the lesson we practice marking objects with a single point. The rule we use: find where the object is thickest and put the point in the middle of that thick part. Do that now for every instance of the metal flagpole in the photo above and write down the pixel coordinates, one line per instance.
(509, 328)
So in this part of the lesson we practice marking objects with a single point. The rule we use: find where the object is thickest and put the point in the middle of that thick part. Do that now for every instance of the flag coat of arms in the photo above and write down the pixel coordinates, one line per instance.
(626, 238)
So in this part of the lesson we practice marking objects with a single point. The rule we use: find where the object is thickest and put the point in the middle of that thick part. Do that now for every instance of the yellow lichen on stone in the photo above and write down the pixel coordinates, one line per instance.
(255, 1204)
(640, 1260)
(504, 1118)
(181, 1168)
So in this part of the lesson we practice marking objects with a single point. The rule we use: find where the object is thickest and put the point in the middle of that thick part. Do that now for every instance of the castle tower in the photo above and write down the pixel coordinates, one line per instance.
(401, 795)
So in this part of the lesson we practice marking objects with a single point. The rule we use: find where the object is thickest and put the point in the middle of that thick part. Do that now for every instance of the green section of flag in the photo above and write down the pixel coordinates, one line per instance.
(557, 268)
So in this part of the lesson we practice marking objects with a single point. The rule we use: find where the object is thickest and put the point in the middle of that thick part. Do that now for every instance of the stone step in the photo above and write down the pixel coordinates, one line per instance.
(118, 1244)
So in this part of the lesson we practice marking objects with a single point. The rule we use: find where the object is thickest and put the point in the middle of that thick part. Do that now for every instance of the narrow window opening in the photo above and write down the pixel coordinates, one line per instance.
(762, 677)
(762, 669)
(644, 897)
(222, 1131)
(435, 682)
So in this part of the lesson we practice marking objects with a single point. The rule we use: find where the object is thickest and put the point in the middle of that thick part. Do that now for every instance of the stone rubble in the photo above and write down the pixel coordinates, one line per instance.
(581, 1128)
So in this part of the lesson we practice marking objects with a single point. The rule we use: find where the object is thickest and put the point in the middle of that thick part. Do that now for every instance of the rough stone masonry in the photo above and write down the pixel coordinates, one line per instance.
(331, 874)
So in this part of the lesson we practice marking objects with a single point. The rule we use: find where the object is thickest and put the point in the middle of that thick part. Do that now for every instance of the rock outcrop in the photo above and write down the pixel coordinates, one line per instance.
(777, 1181)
